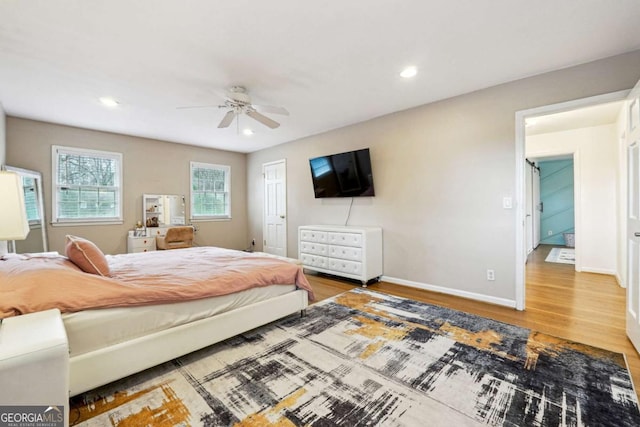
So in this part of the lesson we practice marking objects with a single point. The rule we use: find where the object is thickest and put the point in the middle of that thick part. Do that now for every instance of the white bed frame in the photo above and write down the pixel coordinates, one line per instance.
(102, 366)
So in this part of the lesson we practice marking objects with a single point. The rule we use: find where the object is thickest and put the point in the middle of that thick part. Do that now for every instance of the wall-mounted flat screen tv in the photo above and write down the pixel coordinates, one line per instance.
(342, 175)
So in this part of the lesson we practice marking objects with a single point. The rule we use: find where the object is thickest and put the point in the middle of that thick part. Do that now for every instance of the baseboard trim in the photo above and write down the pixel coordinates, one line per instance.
(619, 280)
(598, 271)
(448, 291)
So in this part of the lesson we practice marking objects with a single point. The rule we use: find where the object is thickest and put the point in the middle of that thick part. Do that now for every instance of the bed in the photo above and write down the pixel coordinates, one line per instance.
(129, 312)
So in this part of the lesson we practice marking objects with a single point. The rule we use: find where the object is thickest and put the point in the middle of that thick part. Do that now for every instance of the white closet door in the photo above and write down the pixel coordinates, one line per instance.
(529, 207)
(633, 217)
(537, 206)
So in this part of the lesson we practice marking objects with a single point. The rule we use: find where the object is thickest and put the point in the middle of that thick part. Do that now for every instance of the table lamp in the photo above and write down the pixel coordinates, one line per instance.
(13, 214)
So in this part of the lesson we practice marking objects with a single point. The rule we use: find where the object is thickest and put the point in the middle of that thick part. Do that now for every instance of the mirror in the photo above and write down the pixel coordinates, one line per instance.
(163, 209)
(36, 240)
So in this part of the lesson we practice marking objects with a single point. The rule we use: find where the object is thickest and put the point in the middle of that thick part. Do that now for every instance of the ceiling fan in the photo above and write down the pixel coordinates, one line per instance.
(238, 102)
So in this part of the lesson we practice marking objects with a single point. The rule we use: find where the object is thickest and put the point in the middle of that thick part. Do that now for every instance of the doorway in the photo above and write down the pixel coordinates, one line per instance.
(589, 220)
(550, 200)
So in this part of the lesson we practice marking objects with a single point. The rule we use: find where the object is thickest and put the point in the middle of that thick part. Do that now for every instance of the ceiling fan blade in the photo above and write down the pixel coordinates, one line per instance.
(272, 109)
(227, 119)
(262, 119)
(196, 106)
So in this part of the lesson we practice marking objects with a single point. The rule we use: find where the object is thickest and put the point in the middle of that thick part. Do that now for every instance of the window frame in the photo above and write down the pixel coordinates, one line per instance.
(56, 150)
(227, 190)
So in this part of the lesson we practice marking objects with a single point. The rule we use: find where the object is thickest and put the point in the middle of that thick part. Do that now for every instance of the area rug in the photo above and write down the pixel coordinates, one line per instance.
(365, 358)
(562, 256)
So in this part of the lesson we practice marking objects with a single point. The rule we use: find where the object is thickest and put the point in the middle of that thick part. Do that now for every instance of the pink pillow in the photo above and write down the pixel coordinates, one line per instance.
(86, 255)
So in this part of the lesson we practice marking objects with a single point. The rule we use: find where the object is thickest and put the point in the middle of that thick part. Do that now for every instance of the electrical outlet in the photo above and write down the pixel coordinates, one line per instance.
(549, 233)
(491, 274)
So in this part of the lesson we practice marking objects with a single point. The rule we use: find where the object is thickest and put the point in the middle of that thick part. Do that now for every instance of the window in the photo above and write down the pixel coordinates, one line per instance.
(210, 194)
(87, 186)
(31, 200)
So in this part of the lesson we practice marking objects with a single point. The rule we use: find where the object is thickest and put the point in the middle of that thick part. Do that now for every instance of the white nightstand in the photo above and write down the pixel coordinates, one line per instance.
(34, 362)
(141, 244)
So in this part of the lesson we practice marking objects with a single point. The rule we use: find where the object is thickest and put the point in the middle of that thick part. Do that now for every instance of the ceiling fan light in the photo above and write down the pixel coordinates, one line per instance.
(248, 132)
(409, 72)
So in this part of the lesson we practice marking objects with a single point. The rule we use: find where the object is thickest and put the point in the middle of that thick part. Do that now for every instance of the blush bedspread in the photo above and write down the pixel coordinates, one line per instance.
(29, 284)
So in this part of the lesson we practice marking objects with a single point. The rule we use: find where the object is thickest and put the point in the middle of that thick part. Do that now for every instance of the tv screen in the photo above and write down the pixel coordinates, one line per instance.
(342, 175)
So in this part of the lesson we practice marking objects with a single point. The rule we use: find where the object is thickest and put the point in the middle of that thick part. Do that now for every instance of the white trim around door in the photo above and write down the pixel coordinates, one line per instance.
(521, 116)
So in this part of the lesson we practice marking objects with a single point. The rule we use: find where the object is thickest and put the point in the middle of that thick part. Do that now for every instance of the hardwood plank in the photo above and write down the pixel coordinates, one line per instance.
(583, 307)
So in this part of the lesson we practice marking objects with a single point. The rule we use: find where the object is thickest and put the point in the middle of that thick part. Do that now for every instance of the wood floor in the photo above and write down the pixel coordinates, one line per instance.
(583, 307)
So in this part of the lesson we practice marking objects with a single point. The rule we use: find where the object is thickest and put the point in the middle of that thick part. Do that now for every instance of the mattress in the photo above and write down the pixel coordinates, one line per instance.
(91, 330)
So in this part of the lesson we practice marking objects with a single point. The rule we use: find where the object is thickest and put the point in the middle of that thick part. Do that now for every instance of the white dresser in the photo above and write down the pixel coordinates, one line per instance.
(352, 252)
(137, 244)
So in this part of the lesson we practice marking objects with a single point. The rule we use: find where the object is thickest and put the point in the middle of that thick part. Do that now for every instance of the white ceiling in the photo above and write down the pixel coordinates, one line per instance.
(330, 64)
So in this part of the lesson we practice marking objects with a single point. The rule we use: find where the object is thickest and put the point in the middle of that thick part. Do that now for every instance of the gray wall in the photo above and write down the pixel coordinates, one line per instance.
(150, 166)
(440, 171)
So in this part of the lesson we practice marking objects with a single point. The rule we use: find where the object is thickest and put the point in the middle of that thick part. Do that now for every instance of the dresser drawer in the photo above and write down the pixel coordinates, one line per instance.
(156, 231)
(141, 244)
(343, 266)
(313, 236)
(146, 242)
(345, 239)
(313, 248)
(345, 252)
(314, 261)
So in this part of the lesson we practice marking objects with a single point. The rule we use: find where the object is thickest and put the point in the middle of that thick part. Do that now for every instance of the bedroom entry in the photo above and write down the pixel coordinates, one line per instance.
(274, 227)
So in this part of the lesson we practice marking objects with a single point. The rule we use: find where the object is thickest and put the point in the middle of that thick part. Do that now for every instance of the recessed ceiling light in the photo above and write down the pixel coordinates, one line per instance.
(247, 132)
(109, 102)
(409, 72)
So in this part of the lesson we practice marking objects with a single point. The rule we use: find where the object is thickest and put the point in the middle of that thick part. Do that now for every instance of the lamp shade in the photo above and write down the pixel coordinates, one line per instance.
(13, 214)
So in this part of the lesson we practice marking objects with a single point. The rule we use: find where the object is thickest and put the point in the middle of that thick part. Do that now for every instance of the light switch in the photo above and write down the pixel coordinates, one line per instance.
(507, 202)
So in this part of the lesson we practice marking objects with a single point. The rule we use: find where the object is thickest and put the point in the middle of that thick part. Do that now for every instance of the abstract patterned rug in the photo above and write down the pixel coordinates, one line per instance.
(562, 256)
(366, 358)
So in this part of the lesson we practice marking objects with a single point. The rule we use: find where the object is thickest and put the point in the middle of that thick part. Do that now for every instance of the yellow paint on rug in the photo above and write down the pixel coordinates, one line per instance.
(539, 343)
(486, 340)
(483, 340)
(171, 412)
(379, 331)
(372, 328)
(356, 301)
(271, 417)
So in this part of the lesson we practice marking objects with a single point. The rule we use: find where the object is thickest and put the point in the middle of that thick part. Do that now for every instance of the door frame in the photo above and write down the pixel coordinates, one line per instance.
(286, 207)
(520, 117)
